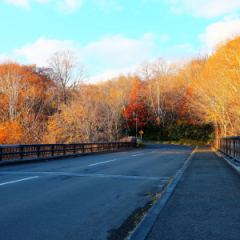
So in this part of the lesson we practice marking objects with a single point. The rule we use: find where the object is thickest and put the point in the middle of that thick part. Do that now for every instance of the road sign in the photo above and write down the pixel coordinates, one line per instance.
(141, 132)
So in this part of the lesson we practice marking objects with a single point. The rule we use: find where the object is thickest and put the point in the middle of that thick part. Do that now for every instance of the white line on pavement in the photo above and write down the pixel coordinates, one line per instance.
(102, 162)
(18, 180)
(137, 154)
(87, 175)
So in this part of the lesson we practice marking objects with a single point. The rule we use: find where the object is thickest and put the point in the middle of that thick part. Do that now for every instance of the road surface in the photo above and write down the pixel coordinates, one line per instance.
(84, 197)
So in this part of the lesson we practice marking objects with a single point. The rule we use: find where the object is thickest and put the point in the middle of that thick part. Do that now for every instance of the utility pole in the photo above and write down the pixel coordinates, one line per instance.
(136, 124)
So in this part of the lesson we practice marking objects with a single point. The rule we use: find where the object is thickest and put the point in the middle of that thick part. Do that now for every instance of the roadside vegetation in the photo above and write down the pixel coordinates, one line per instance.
(183, 142)
(195, 99)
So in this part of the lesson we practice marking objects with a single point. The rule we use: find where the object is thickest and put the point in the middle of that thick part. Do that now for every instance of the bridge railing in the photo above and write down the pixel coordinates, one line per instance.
(29, 151)
(229, 146)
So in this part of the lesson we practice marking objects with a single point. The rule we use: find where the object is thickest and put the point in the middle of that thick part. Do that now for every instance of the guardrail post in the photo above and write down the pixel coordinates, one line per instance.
(234, 153)
(38, 151)
(1, 158)
(83, 148)
(226, 146)
(64, 149)
(237, 149)
(74, 149)
(21, 152)
(52, 150)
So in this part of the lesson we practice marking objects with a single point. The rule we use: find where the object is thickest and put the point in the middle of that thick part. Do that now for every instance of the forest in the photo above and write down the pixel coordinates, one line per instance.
(196, 98)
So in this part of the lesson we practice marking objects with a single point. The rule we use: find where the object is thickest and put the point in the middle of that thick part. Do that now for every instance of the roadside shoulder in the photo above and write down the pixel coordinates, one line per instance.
(144, 227)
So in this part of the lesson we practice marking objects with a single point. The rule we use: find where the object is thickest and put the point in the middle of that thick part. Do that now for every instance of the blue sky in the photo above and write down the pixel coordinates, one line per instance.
(114, 36)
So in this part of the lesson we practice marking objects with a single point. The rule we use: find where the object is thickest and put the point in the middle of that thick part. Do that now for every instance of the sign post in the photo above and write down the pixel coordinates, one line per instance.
(141, 133)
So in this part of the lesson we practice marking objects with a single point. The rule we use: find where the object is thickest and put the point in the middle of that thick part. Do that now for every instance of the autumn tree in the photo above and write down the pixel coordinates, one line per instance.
(24, 94)
(214, 96)
(115, 101)
(68, 71)
(136, 105)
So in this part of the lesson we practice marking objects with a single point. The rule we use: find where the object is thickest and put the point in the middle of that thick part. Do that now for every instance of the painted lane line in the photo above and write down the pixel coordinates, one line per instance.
(121, 152)
(18, 180)
(102, 162)
(88, 175)
(138, 154)
(159, 149)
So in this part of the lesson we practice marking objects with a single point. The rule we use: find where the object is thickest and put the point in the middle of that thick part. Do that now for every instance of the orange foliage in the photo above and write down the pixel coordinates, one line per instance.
(25, 92)
(200, 90)
(136, 104)
(10, 133)
(214, 96)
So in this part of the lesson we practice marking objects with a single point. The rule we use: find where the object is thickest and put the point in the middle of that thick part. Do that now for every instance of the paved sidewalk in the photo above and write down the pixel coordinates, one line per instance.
(204, 205)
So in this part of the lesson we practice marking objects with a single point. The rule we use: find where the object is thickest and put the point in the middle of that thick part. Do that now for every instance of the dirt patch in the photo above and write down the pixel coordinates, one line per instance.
(130, 223)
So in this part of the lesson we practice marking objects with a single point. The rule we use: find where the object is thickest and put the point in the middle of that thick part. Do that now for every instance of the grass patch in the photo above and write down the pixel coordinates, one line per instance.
(183, 142)
(141, 145)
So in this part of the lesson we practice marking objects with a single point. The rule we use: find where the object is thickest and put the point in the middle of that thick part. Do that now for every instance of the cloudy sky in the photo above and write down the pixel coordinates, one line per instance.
(113, 36)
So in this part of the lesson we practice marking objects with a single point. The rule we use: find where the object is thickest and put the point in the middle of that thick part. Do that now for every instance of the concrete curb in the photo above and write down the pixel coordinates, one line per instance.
(144, 227)
(236, 168)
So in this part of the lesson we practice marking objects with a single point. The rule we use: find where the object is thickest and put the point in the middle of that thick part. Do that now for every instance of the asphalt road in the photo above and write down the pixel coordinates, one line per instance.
(204, 204)
(85, 197)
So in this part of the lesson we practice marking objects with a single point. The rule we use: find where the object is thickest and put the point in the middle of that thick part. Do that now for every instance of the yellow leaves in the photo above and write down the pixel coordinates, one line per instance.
(10, 133)
(213, 94)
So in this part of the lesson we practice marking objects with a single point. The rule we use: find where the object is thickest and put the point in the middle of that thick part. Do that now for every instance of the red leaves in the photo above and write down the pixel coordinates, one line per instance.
(136, 107)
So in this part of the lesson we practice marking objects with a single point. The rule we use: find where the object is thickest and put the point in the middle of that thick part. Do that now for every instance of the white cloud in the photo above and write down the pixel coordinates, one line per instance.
(175, 10)
(68, 6)
(184, 46)
(117, 51)
(107, 5)
(3, 57)
(164, 38)
(204, 8)
(109, 74)
(220, 31)
(107, 58)
(20, 3)
(110, 55)
(61, 5)
(231, 17)
(41, 50)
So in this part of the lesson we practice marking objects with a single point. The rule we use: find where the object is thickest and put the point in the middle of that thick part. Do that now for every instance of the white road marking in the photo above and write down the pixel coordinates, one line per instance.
(137, 154)
(87, 175)
(102, 162)
(159, 149)
(18, 180)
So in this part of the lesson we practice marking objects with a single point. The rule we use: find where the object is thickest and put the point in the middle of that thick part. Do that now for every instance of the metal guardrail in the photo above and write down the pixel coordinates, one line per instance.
(26, 151)
(229, 146)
